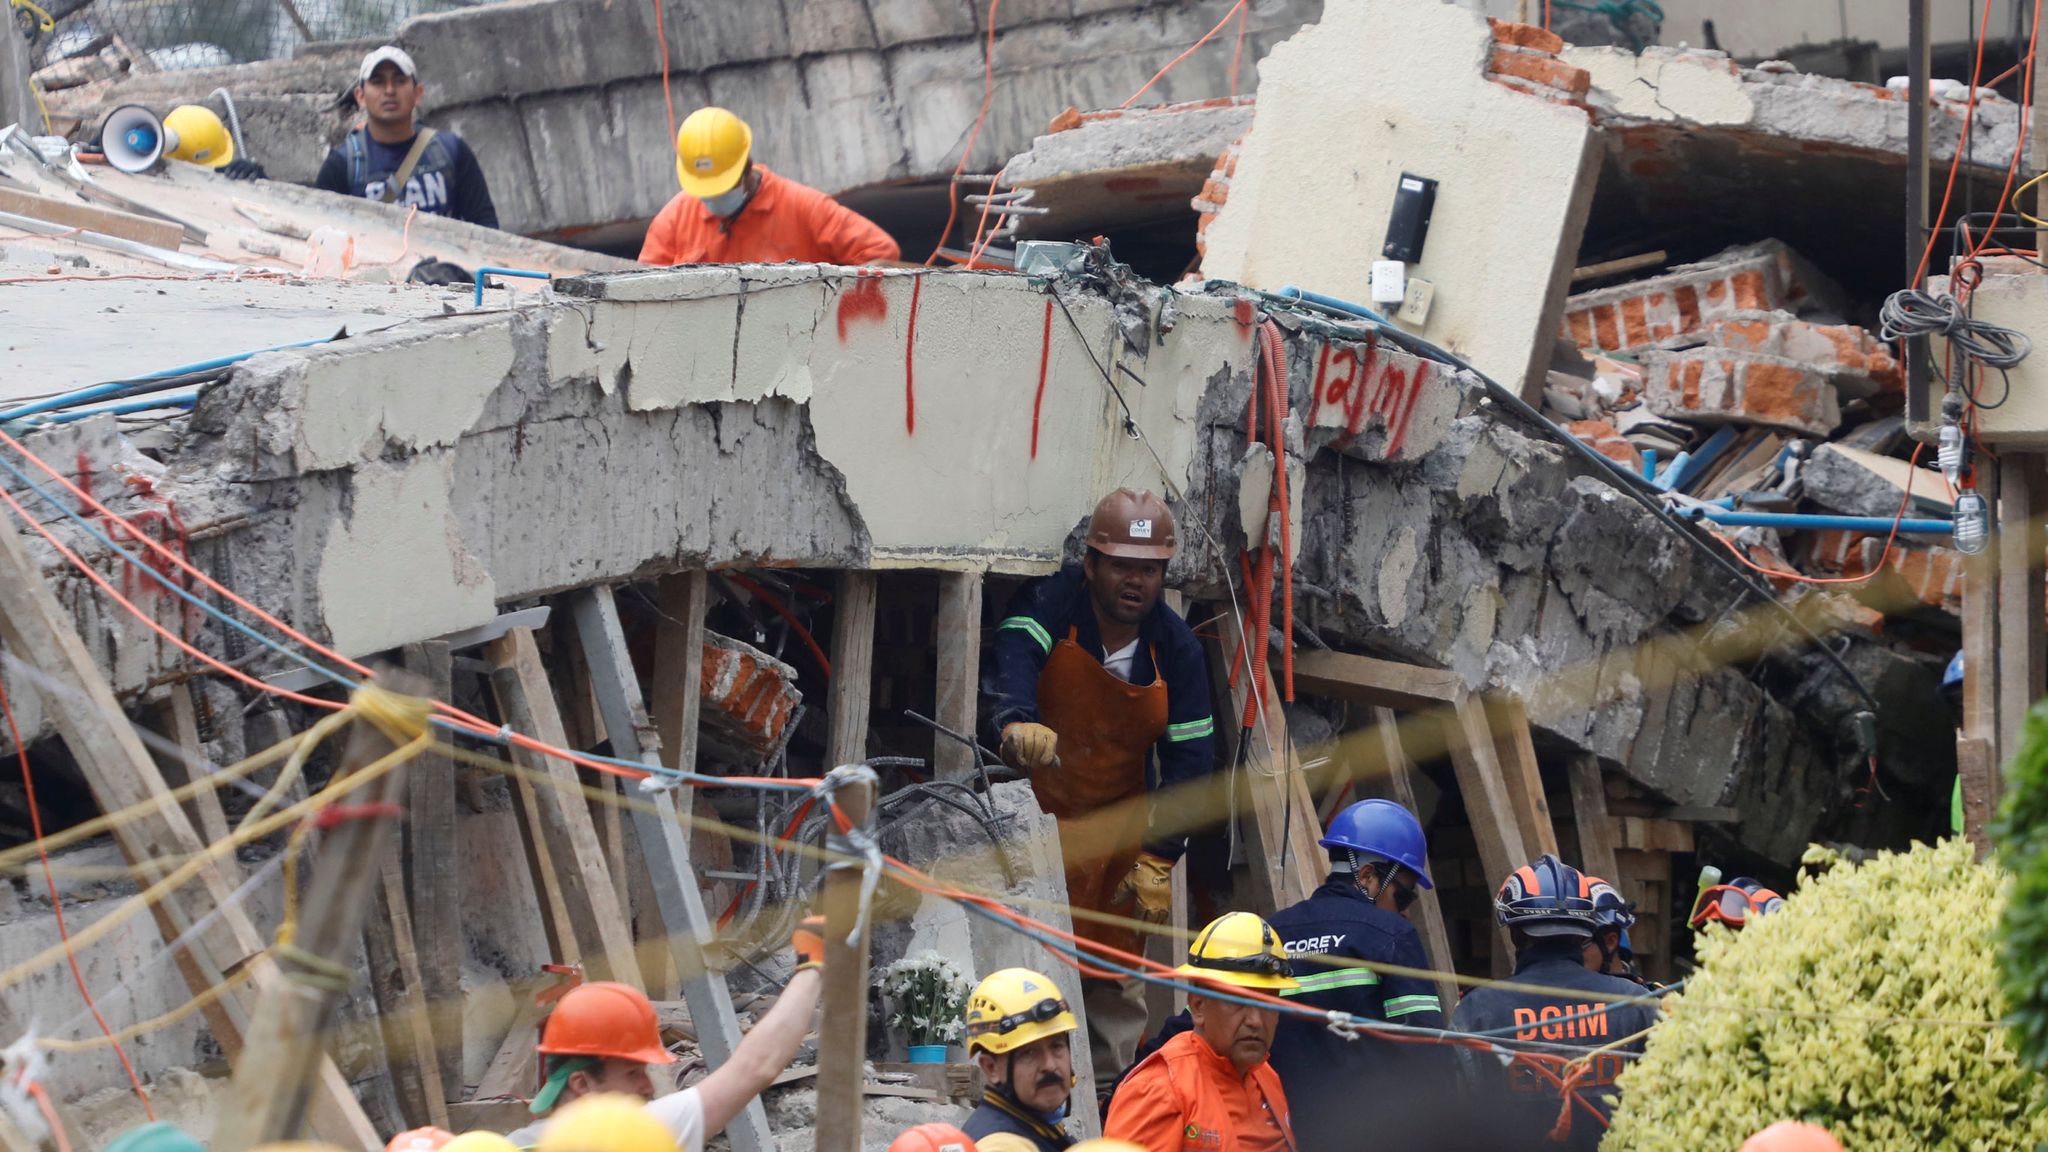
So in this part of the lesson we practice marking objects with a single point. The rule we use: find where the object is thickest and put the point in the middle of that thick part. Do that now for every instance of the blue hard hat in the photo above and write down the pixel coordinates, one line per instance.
(1952, 679)
(1383, 829)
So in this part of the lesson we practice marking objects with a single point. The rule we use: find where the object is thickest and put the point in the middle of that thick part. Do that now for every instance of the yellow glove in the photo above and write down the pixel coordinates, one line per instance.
(1030, 747)
(1150, 883)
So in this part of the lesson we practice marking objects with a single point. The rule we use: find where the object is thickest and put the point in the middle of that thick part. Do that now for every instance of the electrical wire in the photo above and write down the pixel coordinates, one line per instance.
(1962, 148)
(1175, 62)
(988, 93)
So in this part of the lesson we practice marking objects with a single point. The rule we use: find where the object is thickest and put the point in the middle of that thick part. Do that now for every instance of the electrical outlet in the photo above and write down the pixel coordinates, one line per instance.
(1389, 281)
(1415, 303)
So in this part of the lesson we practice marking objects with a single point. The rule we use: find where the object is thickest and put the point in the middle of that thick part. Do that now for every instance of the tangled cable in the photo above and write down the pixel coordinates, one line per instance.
(1910, 312)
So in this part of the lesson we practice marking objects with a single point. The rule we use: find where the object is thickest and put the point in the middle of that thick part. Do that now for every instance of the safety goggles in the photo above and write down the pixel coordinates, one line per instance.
(1038, 1013)
(1733, 906)
(1263, 964)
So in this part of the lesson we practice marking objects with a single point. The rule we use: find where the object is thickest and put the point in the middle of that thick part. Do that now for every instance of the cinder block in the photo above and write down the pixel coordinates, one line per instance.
(1764, 277)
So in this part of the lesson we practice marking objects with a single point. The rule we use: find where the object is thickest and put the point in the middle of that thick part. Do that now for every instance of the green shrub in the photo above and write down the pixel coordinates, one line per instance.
(1779, 1022)
(2021, 831)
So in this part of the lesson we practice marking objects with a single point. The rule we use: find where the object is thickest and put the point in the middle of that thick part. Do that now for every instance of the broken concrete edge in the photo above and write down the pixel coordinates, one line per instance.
(771, 427)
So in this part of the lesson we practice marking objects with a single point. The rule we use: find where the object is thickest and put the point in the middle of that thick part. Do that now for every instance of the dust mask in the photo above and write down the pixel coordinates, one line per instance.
(728, 203)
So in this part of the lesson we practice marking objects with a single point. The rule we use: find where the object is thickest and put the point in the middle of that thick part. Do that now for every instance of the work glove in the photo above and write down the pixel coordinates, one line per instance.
(244, 170)
(809, 942)
(1030, 747)
(1150, 883)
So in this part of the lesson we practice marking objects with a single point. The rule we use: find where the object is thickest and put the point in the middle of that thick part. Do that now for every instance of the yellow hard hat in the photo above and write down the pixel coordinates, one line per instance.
(712, 148)
(1239, 948)
(480, 1142)
(608, 1122)
(198, 137)
(1015, 1007)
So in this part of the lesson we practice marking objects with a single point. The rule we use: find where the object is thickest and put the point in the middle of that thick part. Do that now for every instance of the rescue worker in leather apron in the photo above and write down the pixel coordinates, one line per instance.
(1101, 694)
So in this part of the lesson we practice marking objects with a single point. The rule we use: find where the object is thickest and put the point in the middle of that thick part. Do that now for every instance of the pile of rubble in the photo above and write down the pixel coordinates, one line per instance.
(1737, 383)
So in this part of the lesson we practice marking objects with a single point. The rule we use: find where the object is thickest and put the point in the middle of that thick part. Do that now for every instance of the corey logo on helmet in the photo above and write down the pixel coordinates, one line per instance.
(1141, 529)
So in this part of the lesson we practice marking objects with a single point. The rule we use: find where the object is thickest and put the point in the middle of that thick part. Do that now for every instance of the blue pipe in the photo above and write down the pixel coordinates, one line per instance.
(1797, 521)
(1650, 465)
(483, 272)
(1673, 471)
(96, 391)
(123, 408)
(1290, 292)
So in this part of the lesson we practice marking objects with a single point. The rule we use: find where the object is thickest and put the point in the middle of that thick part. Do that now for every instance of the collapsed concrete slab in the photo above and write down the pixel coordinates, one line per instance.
(1422, 89)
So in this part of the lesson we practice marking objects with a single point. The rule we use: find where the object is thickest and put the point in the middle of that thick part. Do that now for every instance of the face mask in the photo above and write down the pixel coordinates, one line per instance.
(727, 203)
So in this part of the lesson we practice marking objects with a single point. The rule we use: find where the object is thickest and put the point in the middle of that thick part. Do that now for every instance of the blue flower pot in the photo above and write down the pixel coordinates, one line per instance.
(927, 1053)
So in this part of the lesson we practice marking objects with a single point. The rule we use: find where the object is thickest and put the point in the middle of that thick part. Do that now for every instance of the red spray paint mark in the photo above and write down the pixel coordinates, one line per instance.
(864, 303)
(1359, 386)
(164, 526)
(1241, 310)
(910, 361)
(1044, 362)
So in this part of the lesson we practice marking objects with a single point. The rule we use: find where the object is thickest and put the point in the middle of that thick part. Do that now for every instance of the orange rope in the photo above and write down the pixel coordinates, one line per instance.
(49, 1111)
(1955, 163)
(1175, 62)
(988, 94)
(2020, 144)
(1244, 15)
(667, 95)
(35, 819)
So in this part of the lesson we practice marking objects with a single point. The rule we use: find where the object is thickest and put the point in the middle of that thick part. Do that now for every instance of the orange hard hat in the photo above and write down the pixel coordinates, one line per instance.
(607, 1020)
(419, 1140)
(1134, 524)
(933, 1138)
(1792, 1136)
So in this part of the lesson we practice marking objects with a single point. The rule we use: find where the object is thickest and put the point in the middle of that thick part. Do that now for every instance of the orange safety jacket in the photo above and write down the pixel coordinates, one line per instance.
(783, 221)
(1188, 1097)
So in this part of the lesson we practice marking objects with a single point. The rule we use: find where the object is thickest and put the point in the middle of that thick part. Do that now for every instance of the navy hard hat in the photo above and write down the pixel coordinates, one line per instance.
(1547, 897)
(1952, 679)
(1383, 829)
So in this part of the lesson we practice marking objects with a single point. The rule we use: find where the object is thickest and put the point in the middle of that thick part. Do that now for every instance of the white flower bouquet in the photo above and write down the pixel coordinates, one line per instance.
(928, 998)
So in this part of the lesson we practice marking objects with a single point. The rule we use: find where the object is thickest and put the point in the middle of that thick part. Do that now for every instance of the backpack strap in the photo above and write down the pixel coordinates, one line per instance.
(405, 167)
(358, 159)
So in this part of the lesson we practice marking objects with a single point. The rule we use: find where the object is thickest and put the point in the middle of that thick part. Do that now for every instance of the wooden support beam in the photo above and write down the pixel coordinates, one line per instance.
(1980, 640)
(275, 1074)
(958, 629)
(1495, 830)
(515, 1070)
(1973, 764)
(1379, 683)
(403, 1012)
(557, 924)
(178, 721)
(676, 701)
(667, 858)
(853, 669)
(434, 871)
(843, 1032)
(1515, 749)
(2022, 575)
(1436, 937)
(526, 702)
(120, 774)
(1283, 830)
(87, 217)
(1589, 817)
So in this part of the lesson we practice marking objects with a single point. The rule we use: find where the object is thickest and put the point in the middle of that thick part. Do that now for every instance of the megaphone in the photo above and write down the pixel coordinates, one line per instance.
(134, 138)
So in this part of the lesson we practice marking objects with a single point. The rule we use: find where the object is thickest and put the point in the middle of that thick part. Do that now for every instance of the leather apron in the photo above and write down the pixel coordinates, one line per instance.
(1106, 728)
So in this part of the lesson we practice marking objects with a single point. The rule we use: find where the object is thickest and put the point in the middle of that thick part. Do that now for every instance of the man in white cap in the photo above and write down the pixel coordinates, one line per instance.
(391, 159)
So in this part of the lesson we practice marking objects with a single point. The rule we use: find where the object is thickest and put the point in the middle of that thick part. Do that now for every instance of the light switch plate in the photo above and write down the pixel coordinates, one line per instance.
(1415, 303)
(1388, 281)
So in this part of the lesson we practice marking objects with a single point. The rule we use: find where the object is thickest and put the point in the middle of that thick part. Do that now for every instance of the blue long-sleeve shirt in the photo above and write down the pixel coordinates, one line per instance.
(1040, 616)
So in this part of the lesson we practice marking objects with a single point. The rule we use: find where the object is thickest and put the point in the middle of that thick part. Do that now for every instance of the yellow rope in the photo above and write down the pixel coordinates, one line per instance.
(22, 856)
(155, 893)
(198, 1003)
(308, 740)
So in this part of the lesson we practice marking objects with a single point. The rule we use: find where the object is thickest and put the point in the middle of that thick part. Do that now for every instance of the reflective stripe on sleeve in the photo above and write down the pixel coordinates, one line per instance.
(1410, 1005)
(1032, 627)
(1325, 981)
(1192, 730)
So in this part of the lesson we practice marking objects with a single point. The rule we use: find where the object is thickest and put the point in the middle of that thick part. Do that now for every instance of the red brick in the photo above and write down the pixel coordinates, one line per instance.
(1071, 118)
(1526, 36)
(1721, 386)
(748, 695)
(1538, 69)
(1605, 439)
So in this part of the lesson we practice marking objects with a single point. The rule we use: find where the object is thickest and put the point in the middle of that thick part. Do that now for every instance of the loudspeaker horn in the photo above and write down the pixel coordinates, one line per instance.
(134, 138)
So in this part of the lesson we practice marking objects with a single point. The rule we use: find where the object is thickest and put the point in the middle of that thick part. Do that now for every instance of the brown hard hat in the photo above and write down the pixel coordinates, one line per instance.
(1134, 524)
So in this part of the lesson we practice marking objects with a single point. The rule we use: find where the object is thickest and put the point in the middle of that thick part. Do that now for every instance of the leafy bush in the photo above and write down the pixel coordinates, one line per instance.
(1826, 1012)
(2021, 831)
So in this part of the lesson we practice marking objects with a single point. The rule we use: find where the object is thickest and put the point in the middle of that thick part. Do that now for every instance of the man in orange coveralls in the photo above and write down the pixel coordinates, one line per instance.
(734, 211)
(1210, 1089)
